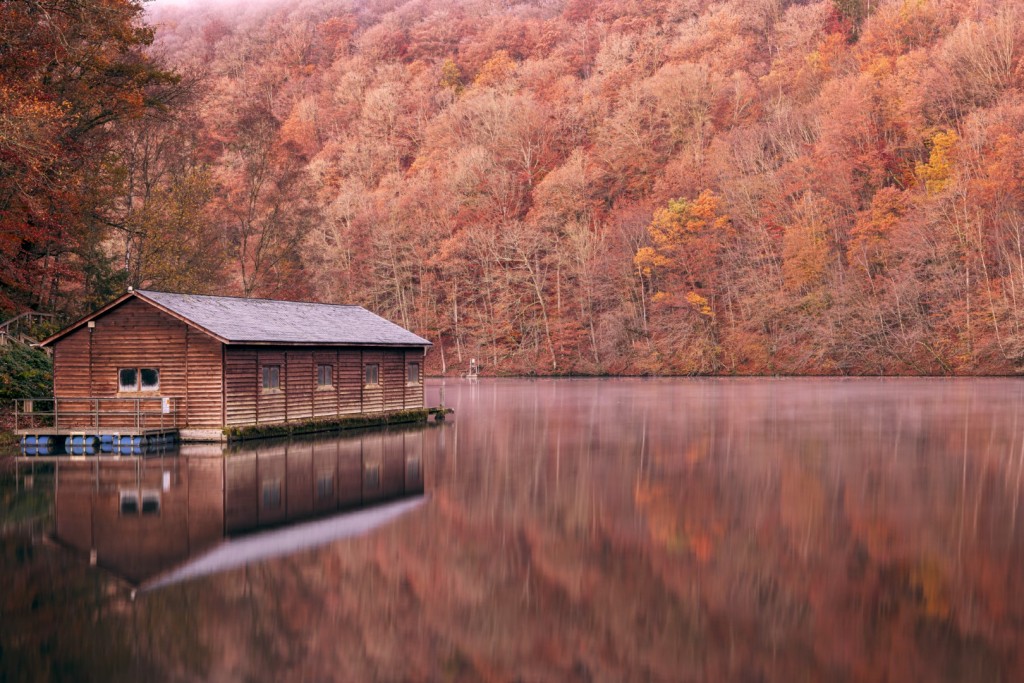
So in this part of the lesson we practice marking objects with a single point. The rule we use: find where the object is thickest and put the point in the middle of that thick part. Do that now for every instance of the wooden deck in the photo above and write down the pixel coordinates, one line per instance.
(96, 416)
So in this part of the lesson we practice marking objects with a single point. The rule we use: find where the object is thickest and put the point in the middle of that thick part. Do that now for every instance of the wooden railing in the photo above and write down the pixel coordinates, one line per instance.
(18, 328)
(97, 413)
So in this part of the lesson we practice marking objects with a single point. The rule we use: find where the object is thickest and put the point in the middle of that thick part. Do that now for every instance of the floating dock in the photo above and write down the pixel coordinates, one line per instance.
(52, 442)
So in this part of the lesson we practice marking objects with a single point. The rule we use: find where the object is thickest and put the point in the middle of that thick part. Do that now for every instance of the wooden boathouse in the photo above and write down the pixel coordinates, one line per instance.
(211, 367)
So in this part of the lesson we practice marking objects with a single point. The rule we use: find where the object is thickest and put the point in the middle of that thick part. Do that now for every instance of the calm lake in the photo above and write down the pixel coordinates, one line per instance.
(551, 530)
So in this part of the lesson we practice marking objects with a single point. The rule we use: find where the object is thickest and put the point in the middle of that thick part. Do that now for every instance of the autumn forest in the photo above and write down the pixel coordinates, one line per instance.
(547, 186)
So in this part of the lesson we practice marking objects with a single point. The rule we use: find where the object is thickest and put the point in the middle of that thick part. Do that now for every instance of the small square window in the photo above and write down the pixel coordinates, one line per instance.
(413, 375)
(134, 379)
(271, 377)
(324, 375)
(128, 379)
(372, 373)
(150, 379)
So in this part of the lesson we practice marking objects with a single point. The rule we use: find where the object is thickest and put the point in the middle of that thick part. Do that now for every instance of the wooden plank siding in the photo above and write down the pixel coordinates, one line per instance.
(301, 384)
(204, 377)
(414, 396)
(72, 364)
(393, 380)
(350, 381)
(299, 397)
(242, 384)
(72, 368)
(137, 335)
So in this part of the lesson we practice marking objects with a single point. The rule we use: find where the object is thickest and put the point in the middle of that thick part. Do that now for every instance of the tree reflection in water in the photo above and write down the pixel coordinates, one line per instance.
(615, 530)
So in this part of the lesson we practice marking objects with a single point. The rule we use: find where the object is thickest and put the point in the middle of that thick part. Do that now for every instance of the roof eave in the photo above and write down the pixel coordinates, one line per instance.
(403, 345)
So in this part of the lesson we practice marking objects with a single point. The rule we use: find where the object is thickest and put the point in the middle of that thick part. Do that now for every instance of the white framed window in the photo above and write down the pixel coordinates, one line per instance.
(138, 379)
(324, 376)
(413, 373)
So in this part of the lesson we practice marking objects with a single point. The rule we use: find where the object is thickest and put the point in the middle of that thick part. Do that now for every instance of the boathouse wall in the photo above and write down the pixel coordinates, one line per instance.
(299, 397)
(136, 335)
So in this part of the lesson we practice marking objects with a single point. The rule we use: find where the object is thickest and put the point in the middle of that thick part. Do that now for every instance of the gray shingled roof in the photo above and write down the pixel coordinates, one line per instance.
(285, 322)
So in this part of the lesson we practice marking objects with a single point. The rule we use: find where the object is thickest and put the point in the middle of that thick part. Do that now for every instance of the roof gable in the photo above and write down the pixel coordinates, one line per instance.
(234, 320)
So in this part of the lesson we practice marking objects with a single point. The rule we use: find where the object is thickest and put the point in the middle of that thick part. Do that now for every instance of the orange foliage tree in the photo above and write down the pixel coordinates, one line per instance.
(506, 180)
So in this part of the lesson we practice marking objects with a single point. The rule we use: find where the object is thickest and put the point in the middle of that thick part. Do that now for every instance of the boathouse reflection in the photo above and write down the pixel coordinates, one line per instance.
(141, 517)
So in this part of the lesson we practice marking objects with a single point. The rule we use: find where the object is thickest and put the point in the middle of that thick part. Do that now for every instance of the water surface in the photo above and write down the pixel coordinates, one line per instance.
(574, 530)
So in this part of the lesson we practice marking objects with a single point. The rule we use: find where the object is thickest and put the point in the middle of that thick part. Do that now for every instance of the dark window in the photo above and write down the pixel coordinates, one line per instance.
(414, 373)
(272, 494)
(325, 486)
(128, 379)
(271, 377)
(150, 379)
(324, 375)
(372, 480)
(372, 373)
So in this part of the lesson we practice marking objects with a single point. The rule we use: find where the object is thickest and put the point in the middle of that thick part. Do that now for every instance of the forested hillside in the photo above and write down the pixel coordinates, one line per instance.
(623, 186)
